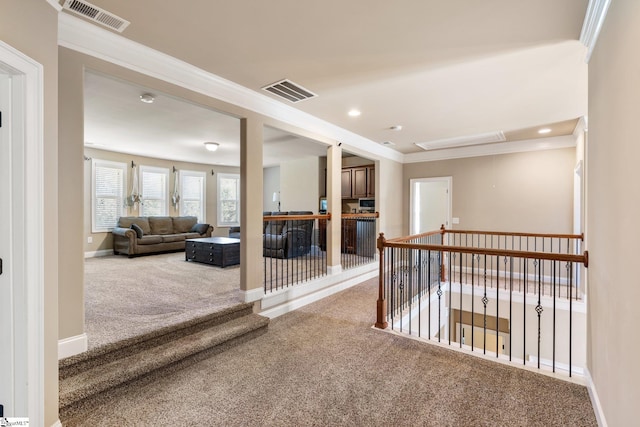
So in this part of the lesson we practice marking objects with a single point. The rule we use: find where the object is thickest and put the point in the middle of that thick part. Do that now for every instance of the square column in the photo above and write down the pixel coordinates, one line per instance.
(334, 205)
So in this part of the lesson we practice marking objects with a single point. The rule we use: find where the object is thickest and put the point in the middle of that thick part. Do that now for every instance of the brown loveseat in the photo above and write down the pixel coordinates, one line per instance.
(287, 239)
(154, 234)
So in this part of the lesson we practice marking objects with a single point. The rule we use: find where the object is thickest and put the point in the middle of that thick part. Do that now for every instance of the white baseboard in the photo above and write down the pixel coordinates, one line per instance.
(102, 252)
(252, 294)
(595, 400)
(287, 300)
(71, 346)
(57, 424)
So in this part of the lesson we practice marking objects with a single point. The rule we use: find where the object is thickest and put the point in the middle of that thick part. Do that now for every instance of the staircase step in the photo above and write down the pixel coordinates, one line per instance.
(98, 356)
(90, 377)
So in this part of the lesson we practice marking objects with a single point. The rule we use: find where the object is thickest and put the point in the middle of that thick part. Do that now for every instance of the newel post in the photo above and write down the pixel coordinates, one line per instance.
(381, 316)
(442, 268)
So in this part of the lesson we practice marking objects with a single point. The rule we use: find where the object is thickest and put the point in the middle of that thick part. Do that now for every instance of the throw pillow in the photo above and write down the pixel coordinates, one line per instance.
(138, 230)
(200, 228)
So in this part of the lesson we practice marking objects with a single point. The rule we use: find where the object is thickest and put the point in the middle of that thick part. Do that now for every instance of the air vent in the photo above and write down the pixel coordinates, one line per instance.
(463, 141)
(290, 91)
(95, 14)
(388, 143)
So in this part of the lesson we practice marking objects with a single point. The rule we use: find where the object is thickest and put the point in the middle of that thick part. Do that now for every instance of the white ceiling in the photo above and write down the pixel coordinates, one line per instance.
(441, 69)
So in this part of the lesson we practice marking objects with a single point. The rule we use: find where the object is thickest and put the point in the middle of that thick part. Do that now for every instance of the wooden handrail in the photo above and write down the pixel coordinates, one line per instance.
(415, 236)
(493, 252)
(295, 217)
(507, 233)
(360, 215)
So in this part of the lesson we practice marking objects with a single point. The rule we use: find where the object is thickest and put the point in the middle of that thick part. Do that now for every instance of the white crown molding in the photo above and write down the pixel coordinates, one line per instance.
(84, 37)
(593, 21)
(54, 3)
(492, 149)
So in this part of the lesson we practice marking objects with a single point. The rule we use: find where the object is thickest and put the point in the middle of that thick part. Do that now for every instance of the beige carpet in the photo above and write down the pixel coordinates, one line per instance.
(323, 365)
(125, 297)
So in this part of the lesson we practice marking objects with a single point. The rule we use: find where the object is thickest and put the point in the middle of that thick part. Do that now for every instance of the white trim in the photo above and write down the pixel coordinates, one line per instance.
(101, 252)
(252, 294)
(54, 3)
(280, 302)
(32, 73)
(57, 424)
(592, 24)
(71, 346)
(595, 400)
(537, 144)
(576, 370)
(334, 269)
(449, 181)
(81, 36)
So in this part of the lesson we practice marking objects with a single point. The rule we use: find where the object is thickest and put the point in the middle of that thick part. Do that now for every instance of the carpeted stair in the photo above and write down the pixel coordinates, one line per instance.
(92, 377)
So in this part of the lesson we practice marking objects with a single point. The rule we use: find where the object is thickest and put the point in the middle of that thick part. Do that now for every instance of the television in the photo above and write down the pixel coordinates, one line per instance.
(323, 205)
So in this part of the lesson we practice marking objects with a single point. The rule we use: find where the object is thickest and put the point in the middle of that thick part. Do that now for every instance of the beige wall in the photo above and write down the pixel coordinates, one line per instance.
(299, 187)
(31, 26)
(104, 241)
(525, 192)
(613, 209)
(389, 200)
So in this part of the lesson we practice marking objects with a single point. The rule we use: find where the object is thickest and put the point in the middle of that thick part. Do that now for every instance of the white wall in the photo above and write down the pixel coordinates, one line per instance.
(271, 184)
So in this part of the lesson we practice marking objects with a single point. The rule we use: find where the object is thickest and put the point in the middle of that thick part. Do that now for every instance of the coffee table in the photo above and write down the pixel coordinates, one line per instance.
(218, 251)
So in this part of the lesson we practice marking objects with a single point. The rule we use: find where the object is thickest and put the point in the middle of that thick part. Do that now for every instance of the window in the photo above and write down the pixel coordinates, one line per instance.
(192, 191)
(154, 188)
(107, 194)
(228, 200)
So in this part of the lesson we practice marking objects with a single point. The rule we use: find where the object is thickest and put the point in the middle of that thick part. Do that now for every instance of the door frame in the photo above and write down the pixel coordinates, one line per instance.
(448, 180)
(27, 211)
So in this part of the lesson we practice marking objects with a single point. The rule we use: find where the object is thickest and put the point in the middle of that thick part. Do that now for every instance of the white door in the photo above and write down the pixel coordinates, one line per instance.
(6, 297)
(430, 204)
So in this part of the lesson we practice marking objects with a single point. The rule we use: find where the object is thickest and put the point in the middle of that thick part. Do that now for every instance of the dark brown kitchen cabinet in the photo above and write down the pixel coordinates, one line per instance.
(358, 182)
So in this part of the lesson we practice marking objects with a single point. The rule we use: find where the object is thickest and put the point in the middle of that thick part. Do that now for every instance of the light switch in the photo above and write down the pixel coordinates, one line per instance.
(455, 220)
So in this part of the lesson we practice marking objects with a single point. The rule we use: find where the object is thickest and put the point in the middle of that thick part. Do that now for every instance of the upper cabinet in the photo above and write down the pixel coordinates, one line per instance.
(358, 182)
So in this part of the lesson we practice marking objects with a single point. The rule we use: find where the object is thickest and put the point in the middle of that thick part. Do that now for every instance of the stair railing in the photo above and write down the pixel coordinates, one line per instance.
(504, 286)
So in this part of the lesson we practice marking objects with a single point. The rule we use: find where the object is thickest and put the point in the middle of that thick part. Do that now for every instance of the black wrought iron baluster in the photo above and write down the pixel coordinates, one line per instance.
(570, 279)
(511, 307)
(539, 308)
(497, 304)
(553, 337)
(450, 296)
(393, 287)
(429, 287)
(419, 292)
(485, 300)
(460, 308)
(439, 295)
(524, 315)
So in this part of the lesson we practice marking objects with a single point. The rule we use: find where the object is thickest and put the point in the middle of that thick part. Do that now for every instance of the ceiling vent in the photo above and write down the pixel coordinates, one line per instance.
(463, 141)
(96, 14)
(289, 90)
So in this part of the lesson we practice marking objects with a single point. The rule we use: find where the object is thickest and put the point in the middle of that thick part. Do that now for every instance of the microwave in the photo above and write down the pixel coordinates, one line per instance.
(367, 204)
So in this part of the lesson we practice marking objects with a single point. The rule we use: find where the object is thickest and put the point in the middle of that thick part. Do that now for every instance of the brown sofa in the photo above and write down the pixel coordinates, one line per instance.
(155, 234)
(287, 239)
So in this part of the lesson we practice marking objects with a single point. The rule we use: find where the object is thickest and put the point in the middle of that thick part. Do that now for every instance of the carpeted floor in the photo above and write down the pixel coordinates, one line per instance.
(125, 297)
(323, 365)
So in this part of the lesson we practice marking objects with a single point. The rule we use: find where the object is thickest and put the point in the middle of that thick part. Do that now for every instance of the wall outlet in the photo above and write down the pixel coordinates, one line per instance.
(455, 220)
(89, 239)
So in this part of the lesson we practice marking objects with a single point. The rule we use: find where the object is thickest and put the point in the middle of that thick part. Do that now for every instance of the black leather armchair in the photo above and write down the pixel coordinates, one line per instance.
(287, 238)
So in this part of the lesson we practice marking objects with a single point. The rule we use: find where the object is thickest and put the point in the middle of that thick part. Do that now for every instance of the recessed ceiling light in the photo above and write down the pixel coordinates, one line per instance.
(147, 98)
(396, 127)
(544, 130)
(354, 113)
(388, 143)
(211, 146)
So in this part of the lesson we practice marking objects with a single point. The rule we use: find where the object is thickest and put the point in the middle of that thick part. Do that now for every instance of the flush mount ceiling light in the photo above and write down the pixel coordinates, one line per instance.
(354, 113)
(147, 98)
(544, 130)
(211, 146)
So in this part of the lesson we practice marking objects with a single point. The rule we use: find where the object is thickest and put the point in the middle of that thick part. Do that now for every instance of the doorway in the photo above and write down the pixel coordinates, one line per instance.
(21, 231)
(430, 204)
